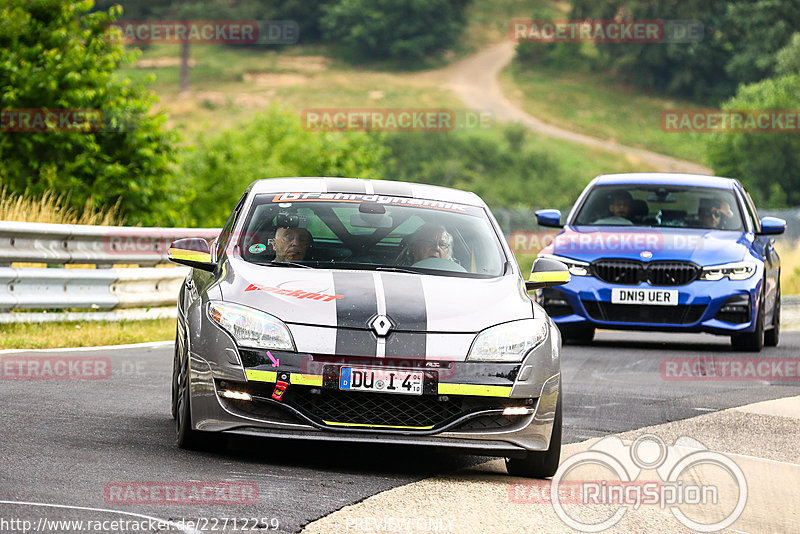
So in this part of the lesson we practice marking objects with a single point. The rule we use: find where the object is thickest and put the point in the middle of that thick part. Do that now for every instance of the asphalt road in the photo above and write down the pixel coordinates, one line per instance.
(62, 442)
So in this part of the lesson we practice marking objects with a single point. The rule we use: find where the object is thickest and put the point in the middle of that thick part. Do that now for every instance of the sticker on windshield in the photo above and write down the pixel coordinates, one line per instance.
(258, 248)
(281, 198)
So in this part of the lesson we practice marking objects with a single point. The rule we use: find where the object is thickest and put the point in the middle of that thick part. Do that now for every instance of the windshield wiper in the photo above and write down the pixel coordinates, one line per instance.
(282, 264)
(395, 269)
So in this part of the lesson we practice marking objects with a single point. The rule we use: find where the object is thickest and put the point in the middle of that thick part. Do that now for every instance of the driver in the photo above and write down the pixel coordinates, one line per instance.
(291, 244)
(620, 204)
(429, 241)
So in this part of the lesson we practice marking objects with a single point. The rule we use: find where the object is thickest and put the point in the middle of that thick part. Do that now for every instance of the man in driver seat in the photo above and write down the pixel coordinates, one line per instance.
(429, 241)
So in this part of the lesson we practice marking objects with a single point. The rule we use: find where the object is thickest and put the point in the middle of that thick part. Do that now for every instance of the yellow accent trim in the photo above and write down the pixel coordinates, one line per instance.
(305, 380)
(334, 423)
(182, 254)
(549, 276)
(261, 376)
(474, 389)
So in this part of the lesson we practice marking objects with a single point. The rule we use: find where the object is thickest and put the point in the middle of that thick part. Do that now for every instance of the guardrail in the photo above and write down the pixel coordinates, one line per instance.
(108, 291)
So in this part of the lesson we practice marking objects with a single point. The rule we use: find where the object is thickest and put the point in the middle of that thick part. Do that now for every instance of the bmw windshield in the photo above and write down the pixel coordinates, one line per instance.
(660, 206)
(356, 231)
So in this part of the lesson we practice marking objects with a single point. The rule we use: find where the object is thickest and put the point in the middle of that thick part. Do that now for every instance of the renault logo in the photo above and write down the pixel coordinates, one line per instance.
(381, 324)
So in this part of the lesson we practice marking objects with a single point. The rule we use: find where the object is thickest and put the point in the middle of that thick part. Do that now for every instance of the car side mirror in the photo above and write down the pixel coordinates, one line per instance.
(192, 251)
(549, 218)
(547, 273)
(772, 226)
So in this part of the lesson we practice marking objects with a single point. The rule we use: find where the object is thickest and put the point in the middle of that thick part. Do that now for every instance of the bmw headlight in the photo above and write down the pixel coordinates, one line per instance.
(508, 342)
(576, 267)
(740, 270)
(251, 328)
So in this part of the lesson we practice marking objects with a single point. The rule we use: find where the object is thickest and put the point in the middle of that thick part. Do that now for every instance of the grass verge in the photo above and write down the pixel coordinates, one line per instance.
(590, 103)
(84, 334)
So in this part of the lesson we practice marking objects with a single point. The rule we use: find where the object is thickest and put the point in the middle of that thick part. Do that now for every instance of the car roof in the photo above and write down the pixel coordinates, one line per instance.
(665, 178)
(362, 186)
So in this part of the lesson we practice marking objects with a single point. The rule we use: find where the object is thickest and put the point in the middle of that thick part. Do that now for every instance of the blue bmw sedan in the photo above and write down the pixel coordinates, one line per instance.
(666, 252)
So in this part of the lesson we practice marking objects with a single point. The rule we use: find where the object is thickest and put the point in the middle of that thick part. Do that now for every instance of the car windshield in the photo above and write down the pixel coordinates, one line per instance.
(356, 231)
(660, 206)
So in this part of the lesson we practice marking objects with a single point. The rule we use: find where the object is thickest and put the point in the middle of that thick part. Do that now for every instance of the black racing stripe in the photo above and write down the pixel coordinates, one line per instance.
(356, 343)
(410, 345)
(405, 305)
(345, 185)
(354, 310)
(391, 188)
(405, 302)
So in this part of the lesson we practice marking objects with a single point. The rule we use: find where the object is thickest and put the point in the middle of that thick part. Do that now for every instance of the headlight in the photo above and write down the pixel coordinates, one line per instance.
(576, 268)
(508, 342)
(740, 270)
(251, 328)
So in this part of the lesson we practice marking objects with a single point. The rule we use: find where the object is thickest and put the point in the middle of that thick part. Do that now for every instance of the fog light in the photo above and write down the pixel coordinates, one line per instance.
(517, 410)
(237, 395)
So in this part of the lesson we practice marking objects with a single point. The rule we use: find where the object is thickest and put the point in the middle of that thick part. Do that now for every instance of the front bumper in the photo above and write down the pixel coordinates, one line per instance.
(702, 306)
(461, 406)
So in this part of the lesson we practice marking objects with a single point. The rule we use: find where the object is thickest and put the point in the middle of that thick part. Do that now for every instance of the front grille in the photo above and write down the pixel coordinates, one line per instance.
(656, 273)
(385, 409)
(642, 313)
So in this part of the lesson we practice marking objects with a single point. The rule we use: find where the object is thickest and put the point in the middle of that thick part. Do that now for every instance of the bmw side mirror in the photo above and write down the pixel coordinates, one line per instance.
(549, 218)
(547, 273)
(772, 226)
(193, 252)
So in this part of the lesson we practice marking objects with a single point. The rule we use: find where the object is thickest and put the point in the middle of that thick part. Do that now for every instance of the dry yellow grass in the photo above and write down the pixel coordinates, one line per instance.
(84, 334)
(53, 208)
(790, 266)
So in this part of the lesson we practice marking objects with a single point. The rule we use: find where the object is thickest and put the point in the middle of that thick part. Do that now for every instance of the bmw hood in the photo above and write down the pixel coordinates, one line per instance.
(701, 246)
(351, 299)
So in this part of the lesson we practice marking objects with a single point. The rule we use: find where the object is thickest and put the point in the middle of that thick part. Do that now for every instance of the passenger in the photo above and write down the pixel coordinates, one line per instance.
(429, 241)
(291, 244)
(714, 213)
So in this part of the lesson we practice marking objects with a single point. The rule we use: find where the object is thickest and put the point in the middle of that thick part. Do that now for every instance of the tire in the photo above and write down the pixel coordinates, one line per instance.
(540, 464)
(175, 375)
(185, 436)
(577, 334)
(773, 336)
(751, 341)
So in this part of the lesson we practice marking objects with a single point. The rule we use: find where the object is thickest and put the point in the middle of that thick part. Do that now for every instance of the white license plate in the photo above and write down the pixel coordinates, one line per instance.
(381, 380)
(657, 297)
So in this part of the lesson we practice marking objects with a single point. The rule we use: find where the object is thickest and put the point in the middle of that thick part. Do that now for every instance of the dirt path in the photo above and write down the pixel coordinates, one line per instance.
(474, 80)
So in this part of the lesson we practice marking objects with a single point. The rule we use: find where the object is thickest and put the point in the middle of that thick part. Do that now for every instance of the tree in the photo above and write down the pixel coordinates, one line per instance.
(767, 163)
(404, 30)
(56, 55)
(270, 145)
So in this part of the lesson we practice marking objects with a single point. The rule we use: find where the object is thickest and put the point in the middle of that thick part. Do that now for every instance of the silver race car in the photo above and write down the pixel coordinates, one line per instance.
(371, 311)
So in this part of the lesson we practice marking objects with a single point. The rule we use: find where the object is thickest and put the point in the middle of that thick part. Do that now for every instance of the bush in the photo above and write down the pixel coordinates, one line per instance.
(767, 163)
(270, 145)
(408, 31)
(55, 55)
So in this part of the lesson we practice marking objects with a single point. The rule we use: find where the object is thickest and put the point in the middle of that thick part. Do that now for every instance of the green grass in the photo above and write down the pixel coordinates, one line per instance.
(595, 104)
(84, 334)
